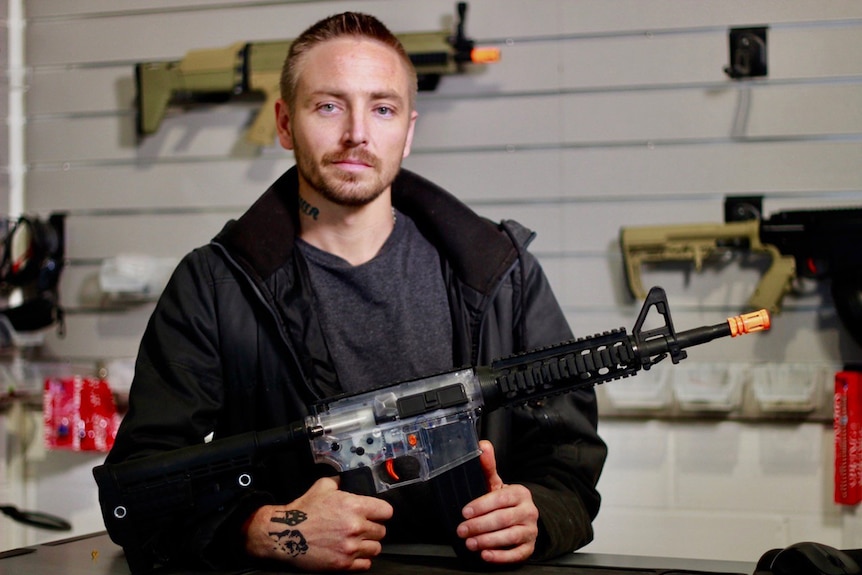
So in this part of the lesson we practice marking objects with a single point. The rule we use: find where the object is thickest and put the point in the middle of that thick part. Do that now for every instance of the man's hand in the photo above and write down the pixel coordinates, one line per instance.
(324, 530)
(502, 524)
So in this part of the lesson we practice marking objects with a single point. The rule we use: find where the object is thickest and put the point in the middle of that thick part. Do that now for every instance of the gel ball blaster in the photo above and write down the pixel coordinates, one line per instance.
(816, 244)
(418, 430)
(253, 69)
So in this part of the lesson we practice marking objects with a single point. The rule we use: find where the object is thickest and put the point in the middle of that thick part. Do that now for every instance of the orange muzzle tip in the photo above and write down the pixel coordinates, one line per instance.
(485, 55)
(749, 323)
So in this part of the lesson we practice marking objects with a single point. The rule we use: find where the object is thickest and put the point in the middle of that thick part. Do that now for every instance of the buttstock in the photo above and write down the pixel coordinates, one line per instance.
(154, 86)
(262, 130)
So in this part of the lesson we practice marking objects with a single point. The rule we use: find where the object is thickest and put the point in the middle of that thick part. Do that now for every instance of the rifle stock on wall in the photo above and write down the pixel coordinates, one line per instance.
(817, 244)
(700, 242)
(253, 69)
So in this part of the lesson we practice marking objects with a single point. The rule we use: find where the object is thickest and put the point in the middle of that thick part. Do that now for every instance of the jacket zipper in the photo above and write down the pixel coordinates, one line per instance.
(263, 300)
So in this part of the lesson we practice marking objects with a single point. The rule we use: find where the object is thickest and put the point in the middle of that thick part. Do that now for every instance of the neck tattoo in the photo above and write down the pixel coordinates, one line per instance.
(308, 209)
(314, 212)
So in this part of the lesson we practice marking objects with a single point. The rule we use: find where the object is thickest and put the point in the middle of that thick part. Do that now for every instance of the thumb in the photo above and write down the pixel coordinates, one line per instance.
(327, 483)
(488, 461)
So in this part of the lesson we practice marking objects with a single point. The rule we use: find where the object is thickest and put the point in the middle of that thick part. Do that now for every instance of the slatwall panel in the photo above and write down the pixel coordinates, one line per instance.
(4, 110)
(597, 117)
(6, 486)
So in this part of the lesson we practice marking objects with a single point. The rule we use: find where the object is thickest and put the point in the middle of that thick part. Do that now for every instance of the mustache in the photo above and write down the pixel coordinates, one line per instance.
(362, 156)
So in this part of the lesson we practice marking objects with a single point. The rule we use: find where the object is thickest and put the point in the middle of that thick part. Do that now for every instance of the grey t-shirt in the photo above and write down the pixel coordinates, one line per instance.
(388, 319)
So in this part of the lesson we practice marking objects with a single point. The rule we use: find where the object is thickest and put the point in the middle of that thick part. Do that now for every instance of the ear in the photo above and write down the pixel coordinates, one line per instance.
(409, 142)
(282, 124)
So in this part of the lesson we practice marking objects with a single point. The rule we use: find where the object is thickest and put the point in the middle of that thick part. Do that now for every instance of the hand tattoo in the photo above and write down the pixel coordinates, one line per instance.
(289, 541)
(290, 517)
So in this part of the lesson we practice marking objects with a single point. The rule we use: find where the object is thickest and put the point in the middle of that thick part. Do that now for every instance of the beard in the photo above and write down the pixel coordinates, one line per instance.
(345, 188)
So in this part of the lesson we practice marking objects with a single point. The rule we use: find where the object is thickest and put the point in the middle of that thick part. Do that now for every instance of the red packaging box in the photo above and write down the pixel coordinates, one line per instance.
(847, 411)
(79, 414)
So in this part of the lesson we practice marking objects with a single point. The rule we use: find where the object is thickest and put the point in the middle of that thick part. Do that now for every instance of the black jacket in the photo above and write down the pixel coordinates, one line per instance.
(234, 345)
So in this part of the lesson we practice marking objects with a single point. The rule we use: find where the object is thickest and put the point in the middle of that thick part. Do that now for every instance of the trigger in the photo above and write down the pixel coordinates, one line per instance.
(399, 470)
(390, 469)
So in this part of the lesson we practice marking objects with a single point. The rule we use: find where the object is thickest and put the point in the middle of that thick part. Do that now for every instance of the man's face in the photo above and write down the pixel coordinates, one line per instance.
(352, 124)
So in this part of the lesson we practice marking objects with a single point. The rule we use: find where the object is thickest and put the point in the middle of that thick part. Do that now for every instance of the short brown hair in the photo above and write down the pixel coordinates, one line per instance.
(353, 24)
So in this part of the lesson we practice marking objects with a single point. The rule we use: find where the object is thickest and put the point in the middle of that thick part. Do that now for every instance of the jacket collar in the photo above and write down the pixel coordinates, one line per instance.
(479, 251)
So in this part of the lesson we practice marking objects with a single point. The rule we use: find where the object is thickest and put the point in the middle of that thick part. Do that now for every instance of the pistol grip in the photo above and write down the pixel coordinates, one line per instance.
(359, 481)
(262, 131)
(454, 489)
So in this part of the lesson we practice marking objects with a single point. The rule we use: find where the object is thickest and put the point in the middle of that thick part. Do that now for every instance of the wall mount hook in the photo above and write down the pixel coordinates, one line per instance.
(747, 53)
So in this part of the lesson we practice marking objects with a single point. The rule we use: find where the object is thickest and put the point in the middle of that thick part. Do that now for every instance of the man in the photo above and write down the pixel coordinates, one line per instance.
(346, 274)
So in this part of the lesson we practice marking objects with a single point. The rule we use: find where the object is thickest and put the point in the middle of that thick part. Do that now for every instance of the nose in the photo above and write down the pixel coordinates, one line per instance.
(356, 130)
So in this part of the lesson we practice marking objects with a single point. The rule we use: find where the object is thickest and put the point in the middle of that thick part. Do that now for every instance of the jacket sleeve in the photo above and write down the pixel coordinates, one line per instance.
(176, 391)
(554, 447)
(175, 397)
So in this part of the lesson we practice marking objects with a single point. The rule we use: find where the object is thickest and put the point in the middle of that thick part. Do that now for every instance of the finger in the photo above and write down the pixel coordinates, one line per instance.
(504, 538)
(508, 497)
(373, 531)
(488, 461)
(369, 549)
(517, 554)
(488, 523)
(360, 559)
(360, 564)
(374, 509)
(326, 484)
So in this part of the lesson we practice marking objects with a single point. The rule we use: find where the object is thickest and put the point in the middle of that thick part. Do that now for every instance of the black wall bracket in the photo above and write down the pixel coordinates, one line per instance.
(741, 208)
(747, 53)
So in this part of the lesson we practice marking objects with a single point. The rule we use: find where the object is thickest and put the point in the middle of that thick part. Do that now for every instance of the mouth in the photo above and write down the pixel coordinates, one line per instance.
(353, 162)
(351, 165)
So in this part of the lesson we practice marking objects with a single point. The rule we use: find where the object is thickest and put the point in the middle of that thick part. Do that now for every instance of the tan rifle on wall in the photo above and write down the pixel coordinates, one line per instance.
(254, 68)
(817, 244)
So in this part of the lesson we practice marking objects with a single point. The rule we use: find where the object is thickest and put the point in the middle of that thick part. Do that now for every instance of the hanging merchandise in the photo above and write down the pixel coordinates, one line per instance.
(847, 427)
(79, 414)
(36, 518)
(135, 277)
(31, 260)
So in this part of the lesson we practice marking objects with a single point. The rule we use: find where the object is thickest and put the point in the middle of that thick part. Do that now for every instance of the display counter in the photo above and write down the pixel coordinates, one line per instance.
(96, 554)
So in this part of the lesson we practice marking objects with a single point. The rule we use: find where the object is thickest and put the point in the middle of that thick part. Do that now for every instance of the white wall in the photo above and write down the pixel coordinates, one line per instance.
(4, 106)
(601, 114)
